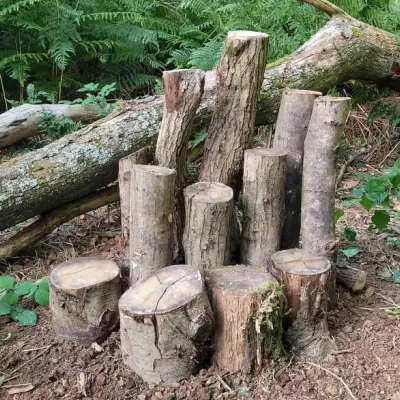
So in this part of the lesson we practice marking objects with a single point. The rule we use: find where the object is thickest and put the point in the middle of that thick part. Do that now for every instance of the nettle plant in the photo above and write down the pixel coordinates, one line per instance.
(12, 292)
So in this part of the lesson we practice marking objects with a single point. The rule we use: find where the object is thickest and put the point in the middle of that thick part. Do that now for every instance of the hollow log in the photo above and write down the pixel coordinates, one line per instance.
(263, 204)
(209, 211)
(290, 133)
(248, 307)
(351, 278)
(151, 219)
(166, 320)
(326, 127)
(306, 279)
(87, 160)
(183, 90)
(84, 294)
(22, 122)
(239, 77)
(143, 157)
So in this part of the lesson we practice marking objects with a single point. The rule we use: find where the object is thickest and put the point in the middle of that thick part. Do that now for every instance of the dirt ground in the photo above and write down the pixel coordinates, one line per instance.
(366, 366)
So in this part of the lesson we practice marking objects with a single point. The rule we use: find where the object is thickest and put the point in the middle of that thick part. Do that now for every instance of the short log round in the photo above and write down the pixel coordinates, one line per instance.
(306, 280)
(248, 306)
(166, 320)
(84, 295)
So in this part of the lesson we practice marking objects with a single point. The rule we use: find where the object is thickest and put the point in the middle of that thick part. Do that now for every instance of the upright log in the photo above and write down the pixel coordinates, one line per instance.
(84, 295)
(151, 218)
(209, 210)
(166, 320)
(183, 90)
(143, 157)
(263, 204)
(239, 78)
(248, 306)
(290, 132)
(306, 279)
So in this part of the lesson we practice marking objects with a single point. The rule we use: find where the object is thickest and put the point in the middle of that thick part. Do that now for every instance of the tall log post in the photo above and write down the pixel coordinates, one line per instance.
(209, 210)
(248, 306)
(151, 219)
(306, 280)
(142, 156)
(166, 320)
(84, 295)
(290, 132)
(326, 127)
(183, 90)
(239, 78)
(263, 204)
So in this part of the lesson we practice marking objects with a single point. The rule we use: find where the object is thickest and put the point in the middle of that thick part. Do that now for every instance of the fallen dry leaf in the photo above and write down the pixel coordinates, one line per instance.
(96, 347)
(21, 389)
(82, 383)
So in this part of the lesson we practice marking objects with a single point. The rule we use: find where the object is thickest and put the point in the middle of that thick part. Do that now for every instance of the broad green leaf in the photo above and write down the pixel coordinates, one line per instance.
(350, 202)
(2, 379)
(396, 276)
(358, 191)
(27, 317)
(7, 282)
(10, 298)
(5, 308)
(44, 284)
(381, 219)
(385, 274)
(350, 252)
(42, 297)
(24, 288)
(350, 234)
(337, 215)
(366, 202)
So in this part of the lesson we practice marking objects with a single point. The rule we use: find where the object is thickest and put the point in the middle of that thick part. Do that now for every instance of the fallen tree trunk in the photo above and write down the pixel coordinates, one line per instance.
(87, 159)
(22, 122)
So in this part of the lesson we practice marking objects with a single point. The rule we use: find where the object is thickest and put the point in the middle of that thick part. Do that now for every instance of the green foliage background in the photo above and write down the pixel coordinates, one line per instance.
(59, 45)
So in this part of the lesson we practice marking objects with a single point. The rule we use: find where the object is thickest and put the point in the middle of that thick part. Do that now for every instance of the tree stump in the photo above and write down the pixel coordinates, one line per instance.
(291, 129)
(263, 204)
(84, 295)
(151, 220)
(351, 278)
(306, 280)
(248, 306)
(209, 212)
(166, 320)
(143, 156)
(239, 76)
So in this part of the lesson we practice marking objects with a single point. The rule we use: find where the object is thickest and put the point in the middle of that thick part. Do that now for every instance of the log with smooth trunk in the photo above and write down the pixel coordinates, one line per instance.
(290, 132)
(87, 160)
(84, 294)
(239, 77)
(183, 89)
(263, 204)
(151, 218)
(305, 279)
(143, 157)
(209, 211)
(248, 307)
(351, 278)
(326, 127)
(166, 320)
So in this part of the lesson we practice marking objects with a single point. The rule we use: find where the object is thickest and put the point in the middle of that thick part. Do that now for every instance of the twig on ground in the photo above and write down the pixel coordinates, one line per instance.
(10, 354)
(34, 349)
(388, 154)
(346, 164)
(344, 351)
(33, 358)
(335, 376)
(16, 385)
(12, 377)
(224, 384)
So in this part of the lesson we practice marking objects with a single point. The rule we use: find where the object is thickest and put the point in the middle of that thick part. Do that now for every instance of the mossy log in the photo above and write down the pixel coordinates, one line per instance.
(248, 306)
(166, 320)
(84, 294)
(87, 160)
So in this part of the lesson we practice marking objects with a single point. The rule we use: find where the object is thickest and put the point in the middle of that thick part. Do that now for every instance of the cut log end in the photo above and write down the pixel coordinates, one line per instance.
(351, 278)
(246, 35)
(209, 192)
(166, 320)
(248, 306)
(84, 298)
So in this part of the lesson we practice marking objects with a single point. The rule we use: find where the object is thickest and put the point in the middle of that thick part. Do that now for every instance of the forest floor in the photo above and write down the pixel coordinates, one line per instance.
(367, 365)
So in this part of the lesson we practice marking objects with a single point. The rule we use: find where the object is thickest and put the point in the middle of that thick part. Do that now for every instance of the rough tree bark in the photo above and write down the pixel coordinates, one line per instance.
(263, 204)
(239, 77)
(209, 210)
(166, 320)
(248, 308)
(351, 278)
(87, 160)
(23, 121)
(84, 295)
(291, 129)
(305, 279)
(183, 90)
(151, 218)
